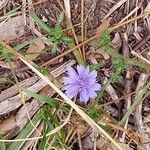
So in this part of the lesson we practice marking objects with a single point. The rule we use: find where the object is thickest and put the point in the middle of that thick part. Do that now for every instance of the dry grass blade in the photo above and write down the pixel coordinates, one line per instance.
(130, 14)
(67, 8)
(33, 84)
(77, 53)
(82, 27)
(118, 4)
(140, 56)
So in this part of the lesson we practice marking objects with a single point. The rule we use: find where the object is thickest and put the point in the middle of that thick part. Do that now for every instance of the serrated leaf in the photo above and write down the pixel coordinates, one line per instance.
(54, 48)
(60, 18)
(43, 70)
(51, 39)
(115, 78)
(22, 45)
(105, 38)
(95, 66)
(118, 64)
(41, 23)
(94, 112)
(67, 39)
(57, 32)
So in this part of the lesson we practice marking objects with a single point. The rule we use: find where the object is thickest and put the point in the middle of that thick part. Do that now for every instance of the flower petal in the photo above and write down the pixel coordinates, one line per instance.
(72, 91)
(90, 81)
(69, 80)
(96, 87)
(80, 69)
(71, 72)
(87, 71)
(84, 96)
(92, 94)
(92, 74)
(67, 87)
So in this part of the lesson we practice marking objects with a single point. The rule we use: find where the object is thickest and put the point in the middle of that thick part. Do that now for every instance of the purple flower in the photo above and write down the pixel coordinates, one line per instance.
(82, 82)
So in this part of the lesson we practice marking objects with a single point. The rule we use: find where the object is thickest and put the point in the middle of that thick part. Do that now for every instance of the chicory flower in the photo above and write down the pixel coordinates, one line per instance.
(82, 82)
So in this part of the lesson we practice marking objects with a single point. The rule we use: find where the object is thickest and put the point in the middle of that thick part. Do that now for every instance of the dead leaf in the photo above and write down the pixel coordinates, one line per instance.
(7, 125)
(117, 42)
(96, 54)
(12, 28)
(124, 146)
(102, 144)
(35, 49)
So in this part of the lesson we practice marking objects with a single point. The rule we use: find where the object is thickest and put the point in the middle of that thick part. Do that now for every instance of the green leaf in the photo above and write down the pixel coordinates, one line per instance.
(25, 132)
(105, 38)
(64, 109)
(57, 32)
(22, 45)
(41, 23)
(136, 102)
(4, 53)
(104, 41)
(67, 40)
(94, 112)
(60, 18)
(104, 127)
(51, 39)
(95, 66)
(54, 48)
(118, 64)
(43, 70)
(2, 144)
(51, 101)
(115, 78)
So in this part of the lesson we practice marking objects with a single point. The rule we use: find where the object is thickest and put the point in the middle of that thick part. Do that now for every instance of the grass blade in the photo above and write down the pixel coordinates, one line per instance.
(24, 133)
(137, 100)
(2, 144)
(51, 101)
(40, 23)
(22, 45)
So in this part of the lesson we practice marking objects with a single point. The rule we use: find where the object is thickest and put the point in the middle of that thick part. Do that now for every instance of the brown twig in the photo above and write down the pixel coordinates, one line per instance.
(145, 39)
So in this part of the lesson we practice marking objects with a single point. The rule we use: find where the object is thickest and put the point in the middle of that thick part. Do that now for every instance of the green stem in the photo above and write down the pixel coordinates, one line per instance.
(136, 102)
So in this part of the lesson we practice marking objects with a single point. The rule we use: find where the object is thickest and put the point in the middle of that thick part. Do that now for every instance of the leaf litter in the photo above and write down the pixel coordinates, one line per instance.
(120, 58)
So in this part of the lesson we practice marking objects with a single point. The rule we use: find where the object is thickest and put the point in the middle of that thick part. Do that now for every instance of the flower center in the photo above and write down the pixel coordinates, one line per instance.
(82, 83)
